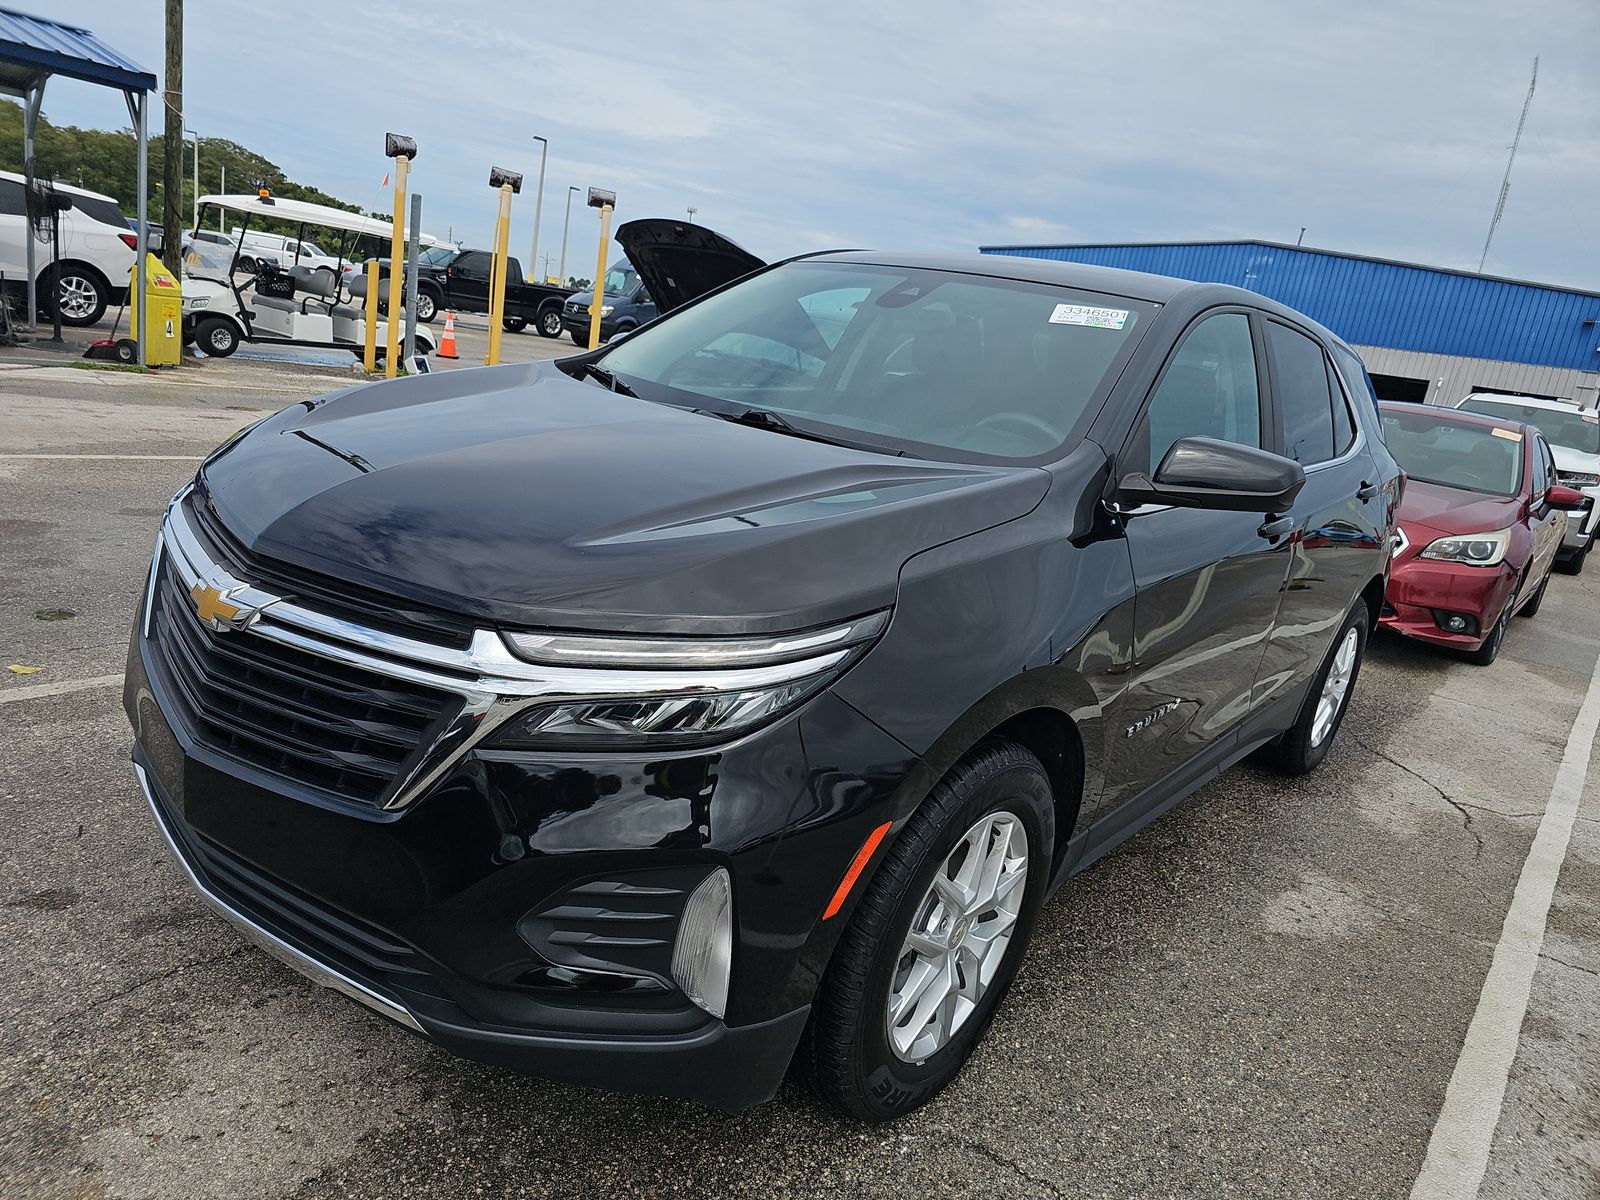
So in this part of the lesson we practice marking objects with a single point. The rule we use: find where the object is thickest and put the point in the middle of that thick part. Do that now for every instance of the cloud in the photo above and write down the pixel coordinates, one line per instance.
(1381, 125)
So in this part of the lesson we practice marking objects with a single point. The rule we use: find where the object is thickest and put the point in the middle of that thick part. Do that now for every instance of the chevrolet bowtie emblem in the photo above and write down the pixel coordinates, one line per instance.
(217, 611)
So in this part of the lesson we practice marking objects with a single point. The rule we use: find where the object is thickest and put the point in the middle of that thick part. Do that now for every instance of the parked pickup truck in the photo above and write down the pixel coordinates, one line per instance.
(461, 283)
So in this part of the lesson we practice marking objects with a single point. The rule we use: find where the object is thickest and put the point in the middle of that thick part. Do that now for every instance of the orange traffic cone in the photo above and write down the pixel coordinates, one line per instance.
(447, 343)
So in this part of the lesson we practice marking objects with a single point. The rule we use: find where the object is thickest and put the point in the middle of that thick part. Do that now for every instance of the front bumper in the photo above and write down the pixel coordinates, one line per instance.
(522, 909)
(1419, 590)
(1581, 526)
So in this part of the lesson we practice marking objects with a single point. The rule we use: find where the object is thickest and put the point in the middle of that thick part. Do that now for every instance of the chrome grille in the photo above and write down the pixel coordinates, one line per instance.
(308, 719)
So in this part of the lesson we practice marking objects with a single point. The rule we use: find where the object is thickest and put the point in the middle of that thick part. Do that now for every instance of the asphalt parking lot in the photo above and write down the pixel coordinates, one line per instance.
(1263, 995)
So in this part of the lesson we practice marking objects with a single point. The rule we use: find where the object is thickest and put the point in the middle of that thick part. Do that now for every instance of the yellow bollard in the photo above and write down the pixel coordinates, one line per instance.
(369, 355)
(397, 267)
(599, 278)
(497, 276)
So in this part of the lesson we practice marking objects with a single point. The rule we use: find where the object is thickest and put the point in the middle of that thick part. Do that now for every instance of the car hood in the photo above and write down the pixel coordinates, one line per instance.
(678, 261)
(519, 496)
(1568, 459)
(1448, 510)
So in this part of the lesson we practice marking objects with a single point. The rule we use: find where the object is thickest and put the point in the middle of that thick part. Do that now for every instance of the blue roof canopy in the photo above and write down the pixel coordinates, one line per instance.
(34, 48)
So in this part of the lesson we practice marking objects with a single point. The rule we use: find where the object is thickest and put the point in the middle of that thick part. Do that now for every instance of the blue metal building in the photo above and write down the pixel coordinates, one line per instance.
(1426, 332)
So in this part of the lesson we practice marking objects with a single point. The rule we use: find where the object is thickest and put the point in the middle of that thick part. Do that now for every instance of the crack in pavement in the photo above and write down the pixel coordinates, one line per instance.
(157, 977)
(1463, 809)
(1561, 962)
(1000, 1160)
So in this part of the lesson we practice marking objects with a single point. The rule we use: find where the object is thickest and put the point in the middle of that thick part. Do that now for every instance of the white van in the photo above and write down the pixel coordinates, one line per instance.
(96, 252)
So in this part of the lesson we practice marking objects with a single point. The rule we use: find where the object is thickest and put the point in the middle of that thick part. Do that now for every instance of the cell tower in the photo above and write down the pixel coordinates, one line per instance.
(1505, 184)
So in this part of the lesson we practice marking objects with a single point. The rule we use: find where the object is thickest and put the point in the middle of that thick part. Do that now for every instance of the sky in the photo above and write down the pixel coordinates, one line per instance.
(1382, 126)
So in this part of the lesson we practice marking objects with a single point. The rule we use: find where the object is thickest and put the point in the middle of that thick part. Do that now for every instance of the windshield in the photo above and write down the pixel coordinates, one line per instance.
(1562, 426)
(207, 260)
(621, 280)
(436, 256)
(1435, 449)
(898, 357)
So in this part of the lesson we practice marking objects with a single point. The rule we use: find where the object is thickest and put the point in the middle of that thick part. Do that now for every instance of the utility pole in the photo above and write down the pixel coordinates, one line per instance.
(566, 225)
(538, 203)
(172, 143)
(1505, 184)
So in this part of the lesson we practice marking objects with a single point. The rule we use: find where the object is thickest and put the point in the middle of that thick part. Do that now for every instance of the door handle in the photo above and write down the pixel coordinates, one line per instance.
(1276, 528)
(1366, 491)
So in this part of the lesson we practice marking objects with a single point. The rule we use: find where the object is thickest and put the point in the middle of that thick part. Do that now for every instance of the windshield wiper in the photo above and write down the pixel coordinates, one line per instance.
(609, 379)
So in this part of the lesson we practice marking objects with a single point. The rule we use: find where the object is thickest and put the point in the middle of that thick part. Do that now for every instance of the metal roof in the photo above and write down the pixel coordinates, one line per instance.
(1378, 302)
(34, 48)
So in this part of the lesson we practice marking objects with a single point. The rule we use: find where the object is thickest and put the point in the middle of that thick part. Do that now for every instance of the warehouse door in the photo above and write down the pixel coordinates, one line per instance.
(1397, 387)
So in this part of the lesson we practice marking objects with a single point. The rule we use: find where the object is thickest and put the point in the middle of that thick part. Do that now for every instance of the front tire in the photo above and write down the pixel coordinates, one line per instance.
(1490, 650)
(1531, 608)
(514, 324)
(936, 939)
(217, 337)
(1305, 744)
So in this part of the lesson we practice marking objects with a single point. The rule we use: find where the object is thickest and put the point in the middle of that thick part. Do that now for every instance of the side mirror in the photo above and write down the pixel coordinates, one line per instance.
(1563, 497)
(1202, 472)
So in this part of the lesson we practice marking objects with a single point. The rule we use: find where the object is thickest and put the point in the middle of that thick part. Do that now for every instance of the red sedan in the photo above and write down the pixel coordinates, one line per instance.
(1480, 521)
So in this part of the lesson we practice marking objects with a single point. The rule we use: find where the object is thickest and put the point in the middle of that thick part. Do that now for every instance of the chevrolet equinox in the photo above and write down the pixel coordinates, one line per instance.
(731, 698)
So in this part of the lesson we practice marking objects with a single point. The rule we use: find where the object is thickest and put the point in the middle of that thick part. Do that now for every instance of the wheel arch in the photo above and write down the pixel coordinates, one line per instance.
(1373, 595)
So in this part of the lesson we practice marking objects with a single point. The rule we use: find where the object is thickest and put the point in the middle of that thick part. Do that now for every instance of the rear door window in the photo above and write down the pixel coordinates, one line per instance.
(1303, 395)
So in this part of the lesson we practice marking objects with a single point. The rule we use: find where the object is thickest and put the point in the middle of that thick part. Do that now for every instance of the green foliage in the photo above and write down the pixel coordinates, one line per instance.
(105, 160)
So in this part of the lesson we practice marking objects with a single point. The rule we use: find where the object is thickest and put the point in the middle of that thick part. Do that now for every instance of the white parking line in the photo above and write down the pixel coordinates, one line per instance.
(1458, 1152)
(116, 457)
(39, 690)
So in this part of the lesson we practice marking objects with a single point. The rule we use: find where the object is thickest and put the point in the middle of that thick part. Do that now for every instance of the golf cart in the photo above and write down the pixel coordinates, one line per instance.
(319, 307)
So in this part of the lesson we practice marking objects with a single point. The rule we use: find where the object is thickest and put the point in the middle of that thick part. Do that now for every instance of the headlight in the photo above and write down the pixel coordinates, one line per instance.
(672, 691)
(199, 301)
(1474, 549)
(605, 310)
(1578, 479)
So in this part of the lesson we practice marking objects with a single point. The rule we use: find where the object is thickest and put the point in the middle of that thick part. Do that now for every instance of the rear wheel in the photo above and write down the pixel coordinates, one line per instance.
(78, 293)
(936, 939)
(216, 337)
(427, 305)
(550, 321)
(1305, 744)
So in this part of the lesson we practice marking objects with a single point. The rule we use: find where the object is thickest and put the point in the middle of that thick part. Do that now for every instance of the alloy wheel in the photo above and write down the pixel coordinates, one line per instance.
(1335, 686)
(76, 296)
(959, 937)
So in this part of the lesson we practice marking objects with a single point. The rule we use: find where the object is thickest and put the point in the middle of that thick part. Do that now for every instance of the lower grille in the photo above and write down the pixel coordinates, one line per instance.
(325, 725)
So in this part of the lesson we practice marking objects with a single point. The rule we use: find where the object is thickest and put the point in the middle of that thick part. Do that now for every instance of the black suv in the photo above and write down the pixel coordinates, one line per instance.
(734, 696)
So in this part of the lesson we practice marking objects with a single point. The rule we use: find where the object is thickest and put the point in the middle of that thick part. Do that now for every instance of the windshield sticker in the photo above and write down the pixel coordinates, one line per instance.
(1087, 314)
(1511, 435)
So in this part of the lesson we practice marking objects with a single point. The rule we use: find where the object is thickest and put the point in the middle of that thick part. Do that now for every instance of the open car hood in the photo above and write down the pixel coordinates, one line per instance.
(678, 261)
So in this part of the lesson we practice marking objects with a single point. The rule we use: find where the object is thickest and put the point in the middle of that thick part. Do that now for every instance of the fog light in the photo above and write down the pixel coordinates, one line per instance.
(1453, 623)
(702, 957)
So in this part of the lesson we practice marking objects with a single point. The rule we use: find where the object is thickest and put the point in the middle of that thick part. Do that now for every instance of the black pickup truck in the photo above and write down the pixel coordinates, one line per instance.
(460, 283)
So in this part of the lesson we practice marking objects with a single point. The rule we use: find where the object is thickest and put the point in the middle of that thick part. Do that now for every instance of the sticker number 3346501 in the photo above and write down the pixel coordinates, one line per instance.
(1087, 314)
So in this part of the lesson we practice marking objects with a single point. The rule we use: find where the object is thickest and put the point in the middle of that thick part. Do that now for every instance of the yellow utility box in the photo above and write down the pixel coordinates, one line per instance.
(162, 308)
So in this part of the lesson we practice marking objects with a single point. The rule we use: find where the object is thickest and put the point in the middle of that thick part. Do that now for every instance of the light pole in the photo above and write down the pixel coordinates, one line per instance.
(196, 137)
(538, 202)
(565, 226)
(692, 211)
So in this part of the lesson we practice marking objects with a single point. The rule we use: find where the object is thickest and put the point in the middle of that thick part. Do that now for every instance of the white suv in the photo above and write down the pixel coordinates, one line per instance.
(97, 252)
(1574, 436)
